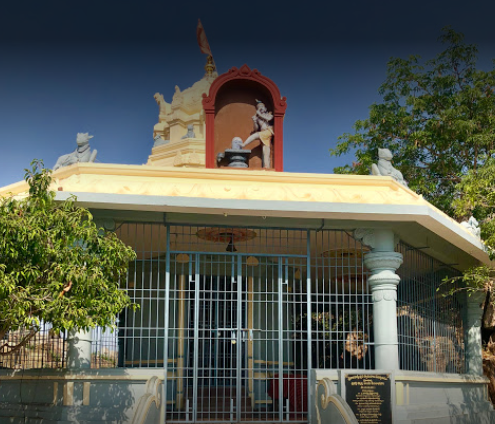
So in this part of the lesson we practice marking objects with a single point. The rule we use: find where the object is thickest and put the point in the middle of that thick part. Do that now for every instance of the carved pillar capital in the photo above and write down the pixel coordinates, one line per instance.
(383, 261)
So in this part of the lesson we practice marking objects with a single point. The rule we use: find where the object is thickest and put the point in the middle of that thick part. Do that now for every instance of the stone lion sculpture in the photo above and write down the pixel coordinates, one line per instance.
(384, 167)
(83, 153)
(472, 225)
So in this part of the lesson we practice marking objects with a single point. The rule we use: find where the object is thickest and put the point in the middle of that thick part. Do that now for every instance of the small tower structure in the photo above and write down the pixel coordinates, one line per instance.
(179, 135)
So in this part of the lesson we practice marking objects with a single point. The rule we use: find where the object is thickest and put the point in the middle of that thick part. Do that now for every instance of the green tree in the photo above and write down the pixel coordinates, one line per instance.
(477, 199)
(56, 266)
(437, 117)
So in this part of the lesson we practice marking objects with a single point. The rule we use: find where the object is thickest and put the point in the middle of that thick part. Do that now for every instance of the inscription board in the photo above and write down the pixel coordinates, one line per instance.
(370, 397)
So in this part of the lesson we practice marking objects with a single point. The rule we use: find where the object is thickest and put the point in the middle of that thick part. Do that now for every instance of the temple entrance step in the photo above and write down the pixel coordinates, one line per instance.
(220, 400)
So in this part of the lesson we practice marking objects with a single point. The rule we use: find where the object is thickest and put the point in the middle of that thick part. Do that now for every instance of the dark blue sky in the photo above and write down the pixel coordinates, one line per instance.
(93, 66)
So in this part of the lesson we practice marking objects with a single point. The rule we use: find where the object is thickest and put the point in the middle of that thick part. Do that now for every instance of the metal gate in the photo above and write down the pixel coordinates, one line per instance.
(232, 348)
(238, 317)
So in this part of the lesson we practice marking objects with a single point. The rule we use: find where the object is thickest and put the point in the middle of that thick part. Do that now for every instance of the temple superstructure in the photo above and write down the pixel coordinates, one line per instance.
(180, 132)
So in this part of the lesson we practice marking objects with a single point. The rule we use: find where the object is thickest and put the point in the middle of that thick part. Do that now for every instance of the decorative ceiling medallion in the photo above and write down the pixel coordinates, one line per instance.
(350, 253)
(226, 235)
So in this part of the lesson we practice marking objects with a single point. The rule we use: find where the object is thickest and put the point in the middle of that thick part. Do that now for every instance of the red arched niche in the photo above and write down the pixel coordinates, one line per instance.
(229, 107)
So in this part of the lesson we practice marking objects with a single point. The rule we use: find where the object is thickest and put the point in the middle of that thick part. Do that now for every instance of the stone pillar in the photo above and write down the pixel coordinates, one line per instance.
(79, 342)
(79, 349)
(383, 261)
(472, 332)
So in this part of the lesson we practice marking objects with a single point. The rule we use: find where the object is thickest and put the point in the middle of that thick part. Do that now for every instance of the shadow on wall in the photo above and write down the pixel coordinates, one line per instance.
(472, 406)
(97, 396)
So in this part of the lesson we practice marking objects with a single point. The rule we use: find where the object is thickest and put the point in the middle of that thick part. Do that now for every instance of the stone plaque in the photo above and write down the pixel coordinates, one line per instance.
(370, 397)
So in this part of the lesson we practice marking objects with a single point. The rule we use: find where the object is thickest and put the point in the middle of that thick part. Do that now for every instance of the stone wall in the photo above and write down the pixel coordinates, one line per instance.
(49, 396)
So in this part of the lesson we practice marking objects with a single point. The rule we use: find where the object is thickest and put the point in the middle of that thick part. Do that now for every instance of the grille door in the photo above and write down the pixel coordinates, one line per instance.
(231, 349)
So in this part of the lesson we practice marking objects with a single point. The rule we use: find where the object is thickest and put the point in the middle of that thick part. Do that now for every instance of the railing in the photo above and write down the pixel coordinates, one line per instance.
(45, 349)
(332, 328)
(430, 326)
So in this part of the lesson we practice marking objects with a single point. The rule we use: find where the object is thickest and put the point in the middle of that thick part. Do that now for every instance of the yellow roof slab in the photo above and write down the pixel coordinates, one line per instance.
(255, 193)
(227, 184)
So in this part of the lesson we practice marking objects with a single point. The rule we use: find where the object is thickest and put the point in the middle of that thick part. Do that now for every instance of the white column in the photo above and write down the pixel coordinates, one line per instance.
(472, 332)
(79, 342)
(383, 261)
(79, 349)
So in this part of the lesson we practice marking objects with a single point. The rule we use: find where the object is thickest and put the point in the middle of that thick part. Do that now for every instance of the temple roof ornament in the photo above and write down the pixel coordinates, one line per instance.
(385, 168)
(190, 99)
(210, 68)
(472, 226)
(83, 153)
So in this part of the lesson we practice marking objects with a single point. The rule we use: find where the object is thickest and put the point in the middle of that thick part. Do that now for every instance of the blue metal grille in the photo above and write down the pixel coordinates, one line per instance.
(341, 308)
(430, 327)
(236, 317)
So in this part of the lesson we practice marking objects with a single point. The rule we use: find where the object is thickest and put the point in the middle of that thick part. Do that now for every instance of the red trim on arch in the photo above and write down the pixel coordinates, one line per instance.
(279, 107)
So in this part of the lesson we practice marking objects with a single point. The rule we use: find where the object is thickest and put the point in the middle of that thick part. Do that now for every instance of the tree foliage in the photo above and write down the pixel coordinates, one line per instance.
(437, 117)
(477, 198)
(56, 266)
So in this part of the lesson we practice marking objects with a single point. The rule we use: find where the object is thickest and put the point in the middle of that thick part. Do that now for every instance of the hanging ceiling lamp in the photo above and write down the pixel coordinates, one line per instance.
(231, 246)
(226, 235)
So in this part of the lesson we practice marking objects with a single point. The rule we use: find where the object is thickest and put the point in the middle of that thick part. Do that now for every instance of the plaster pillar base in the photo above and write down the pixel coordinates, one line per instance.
(79, 349)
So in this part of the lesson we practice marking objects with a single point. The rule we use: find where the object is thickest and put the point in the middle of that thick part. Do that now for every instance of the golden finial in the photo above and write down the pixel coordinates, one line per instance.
(210, 66)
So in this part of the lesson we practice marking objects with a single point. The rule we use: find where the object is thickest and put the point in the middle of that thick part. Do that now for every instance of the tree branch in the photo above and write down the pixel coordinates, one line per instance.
(13, 349)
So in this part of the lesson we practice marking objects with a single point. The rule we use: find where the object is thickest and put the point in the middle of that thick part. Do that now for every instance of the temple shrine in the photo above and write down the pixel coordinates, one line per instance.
(265, 296)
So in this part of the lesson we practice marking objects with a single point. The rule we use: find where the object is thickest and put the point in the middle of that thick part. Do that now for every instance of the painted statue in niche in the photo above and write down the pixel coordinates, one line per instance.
(262, 131)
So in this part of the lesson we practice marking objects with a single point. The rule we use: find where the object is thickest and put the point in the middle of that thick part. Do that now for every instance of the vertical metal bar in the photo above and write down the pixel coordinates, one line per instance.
(196, 336)
(166, 324)
(308, 309)
(435, 323)
(141, 310)
(150, 299)
(280, 341)
(209, 332)
(136, 296)
(216, 300)
(240, 331)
